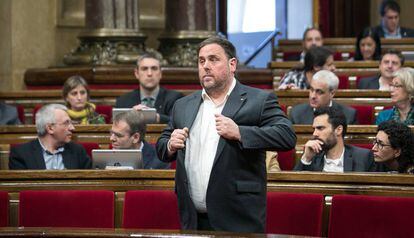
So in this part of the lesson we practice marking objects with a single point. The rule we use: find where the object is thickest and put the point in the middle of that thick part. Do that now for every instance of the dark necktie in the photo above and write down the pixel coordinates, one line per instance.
(148, 101)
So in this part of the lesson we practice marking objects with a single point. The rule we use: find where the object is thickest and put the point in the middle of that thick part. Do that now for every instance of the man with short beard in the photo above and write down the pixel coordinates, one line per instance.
(327, 152)
(219, 136)
(150, 94)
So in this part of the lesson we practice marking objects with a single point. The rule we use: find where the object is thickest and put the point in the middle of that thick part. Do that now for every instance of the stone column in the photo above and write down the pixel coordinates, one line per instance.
(188, 22)
(111, 35)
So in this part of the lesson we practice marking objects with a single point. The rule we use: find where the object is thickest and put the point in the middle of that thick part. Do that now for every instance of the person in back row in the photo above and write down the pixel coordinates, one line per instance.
(8, 115)
(76, 95)
(317, 58)
(53, 148)
(367, 46)
(393, 148)
(149, 94)
(311, 37)
(390, 21)
(321, 93)
(327, 151)
(391, 61)
(128, 132)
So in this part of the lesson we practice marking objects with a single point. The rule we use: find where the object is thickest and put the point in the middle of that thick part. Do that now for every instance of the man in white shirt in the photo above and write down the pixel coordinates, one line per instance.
(219, 136)
(327, 152)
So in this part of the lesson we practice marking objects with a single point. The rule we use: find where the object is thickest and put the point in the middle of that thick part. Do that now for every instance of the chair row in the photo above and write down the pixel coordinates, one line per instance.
(350, 215)
(143, 209)
(287, 213)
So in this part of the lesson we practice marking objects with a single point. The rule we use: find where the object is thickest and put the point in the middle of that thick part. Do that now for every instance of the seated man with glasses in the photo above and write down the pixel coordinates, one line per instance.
(327, 151)
(53, 148)
(128, 132)
(394, 148)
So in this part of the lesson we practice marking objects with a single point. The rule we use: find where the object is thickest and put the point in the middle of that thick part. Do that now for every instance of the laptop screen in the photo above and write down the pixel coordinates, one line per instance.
(117, 159)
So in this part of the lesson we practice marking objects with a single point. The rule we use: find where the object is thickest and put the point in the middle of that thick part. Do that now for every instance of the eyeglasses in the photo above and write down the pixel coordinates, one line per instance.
(379, 144)
(396, 86)
(66, 123)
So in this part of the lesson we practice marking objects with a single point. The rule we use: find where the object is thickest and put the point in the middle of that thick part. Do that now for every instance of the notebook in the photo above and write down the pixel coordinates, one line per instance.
(117, 159)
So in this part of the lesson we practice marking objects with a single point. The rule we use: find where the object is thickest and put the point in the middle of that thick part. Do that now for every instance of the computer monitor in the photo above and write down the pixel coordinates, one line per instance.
(117, 159)
(149, 114)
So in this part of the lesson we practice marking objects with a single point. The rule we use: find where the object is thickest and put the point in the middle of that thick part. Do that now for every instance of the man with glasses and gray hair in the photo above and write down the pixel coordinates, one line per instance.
(323, 87)
(53, 148)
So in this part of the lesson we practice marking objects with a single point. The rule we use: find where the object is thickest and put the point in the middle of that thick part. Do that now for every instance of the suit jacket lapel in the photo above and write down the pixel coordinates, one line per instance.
(159, 101)
(66, 158)
(38, 155)
(348, 160)
(146, 155)
(235, 101)
(318, 162)
(191, 109)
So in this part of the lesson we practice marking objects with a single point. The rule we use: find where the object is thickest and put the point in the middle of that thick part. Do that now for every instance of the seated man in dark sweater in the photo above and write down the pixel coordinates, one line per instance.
(53, 148)
(327, 151)
(128, 132)
(391, 61)
(149, 94)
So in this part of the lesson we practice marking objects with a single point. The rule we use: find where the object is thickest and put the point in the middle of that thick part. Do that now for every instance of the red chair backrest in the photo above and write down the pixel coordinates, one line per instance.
(35, 109)
(67, 208)
(371, 216)
(294, 214)
(4, 209)
(365, 114)
(106, 111)
(365, 146)
(89, 146)
(286, 159)
(343, 82)
(291, 54)
(20, 113)
(151, 209)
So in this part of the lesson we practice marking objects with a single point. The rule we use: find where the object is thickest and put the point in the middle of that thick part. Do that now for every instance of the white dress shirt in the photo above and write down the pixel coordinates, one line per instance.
(330, 165)
(201, 147)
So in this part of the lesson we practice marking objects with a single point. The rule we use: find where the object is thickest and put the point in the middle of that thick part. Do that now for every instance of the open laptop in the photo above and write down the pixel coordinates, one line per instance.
(149, 114)
(117, 159)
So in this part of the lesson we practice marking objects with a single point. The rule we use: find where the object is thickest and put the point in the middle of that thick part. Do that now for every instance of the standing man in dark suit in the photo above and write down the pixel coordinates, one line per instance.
(218, 137)
(53, 148)
(322, 90)
(390, 22)
(128, 132)
(327, 152)
(149, 94)
(391, 61)
(8, 115)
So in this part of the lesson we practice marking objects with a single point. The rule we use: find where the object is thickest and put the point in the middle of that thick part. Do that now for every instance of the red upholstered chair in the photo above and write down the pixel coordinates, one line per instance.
(371, 216)
(284, 108)
(106, 111)
(70, 208)
(343, 82)
(286, 159)
(4, 209)
(291, 54)
(89, 146)
(365, 146)
(365, 114)
(20, 113)
(151, 209)
(35, 109)
(294, 214)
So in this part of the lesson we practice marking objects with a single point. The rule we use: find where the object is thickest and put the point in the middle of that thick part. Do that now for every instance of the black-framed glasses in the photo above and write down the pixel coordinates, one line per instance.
(396, 86)
(379, 144)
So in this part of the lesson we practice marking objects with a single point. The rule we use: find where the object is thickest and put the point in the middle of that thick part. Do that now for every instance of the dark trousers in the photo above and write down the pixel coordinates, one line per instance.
(203, 223)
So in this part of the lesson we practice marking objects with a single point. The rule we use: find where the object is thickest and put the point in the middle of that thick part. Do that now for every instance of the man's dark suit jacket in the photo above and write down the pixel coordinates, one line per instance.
(369, 82)
(303, 113)
(163, 103)
(30, 156)
(356, 159)
(236, 192)
(8, 115)
(150, 158)
(405, 32)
